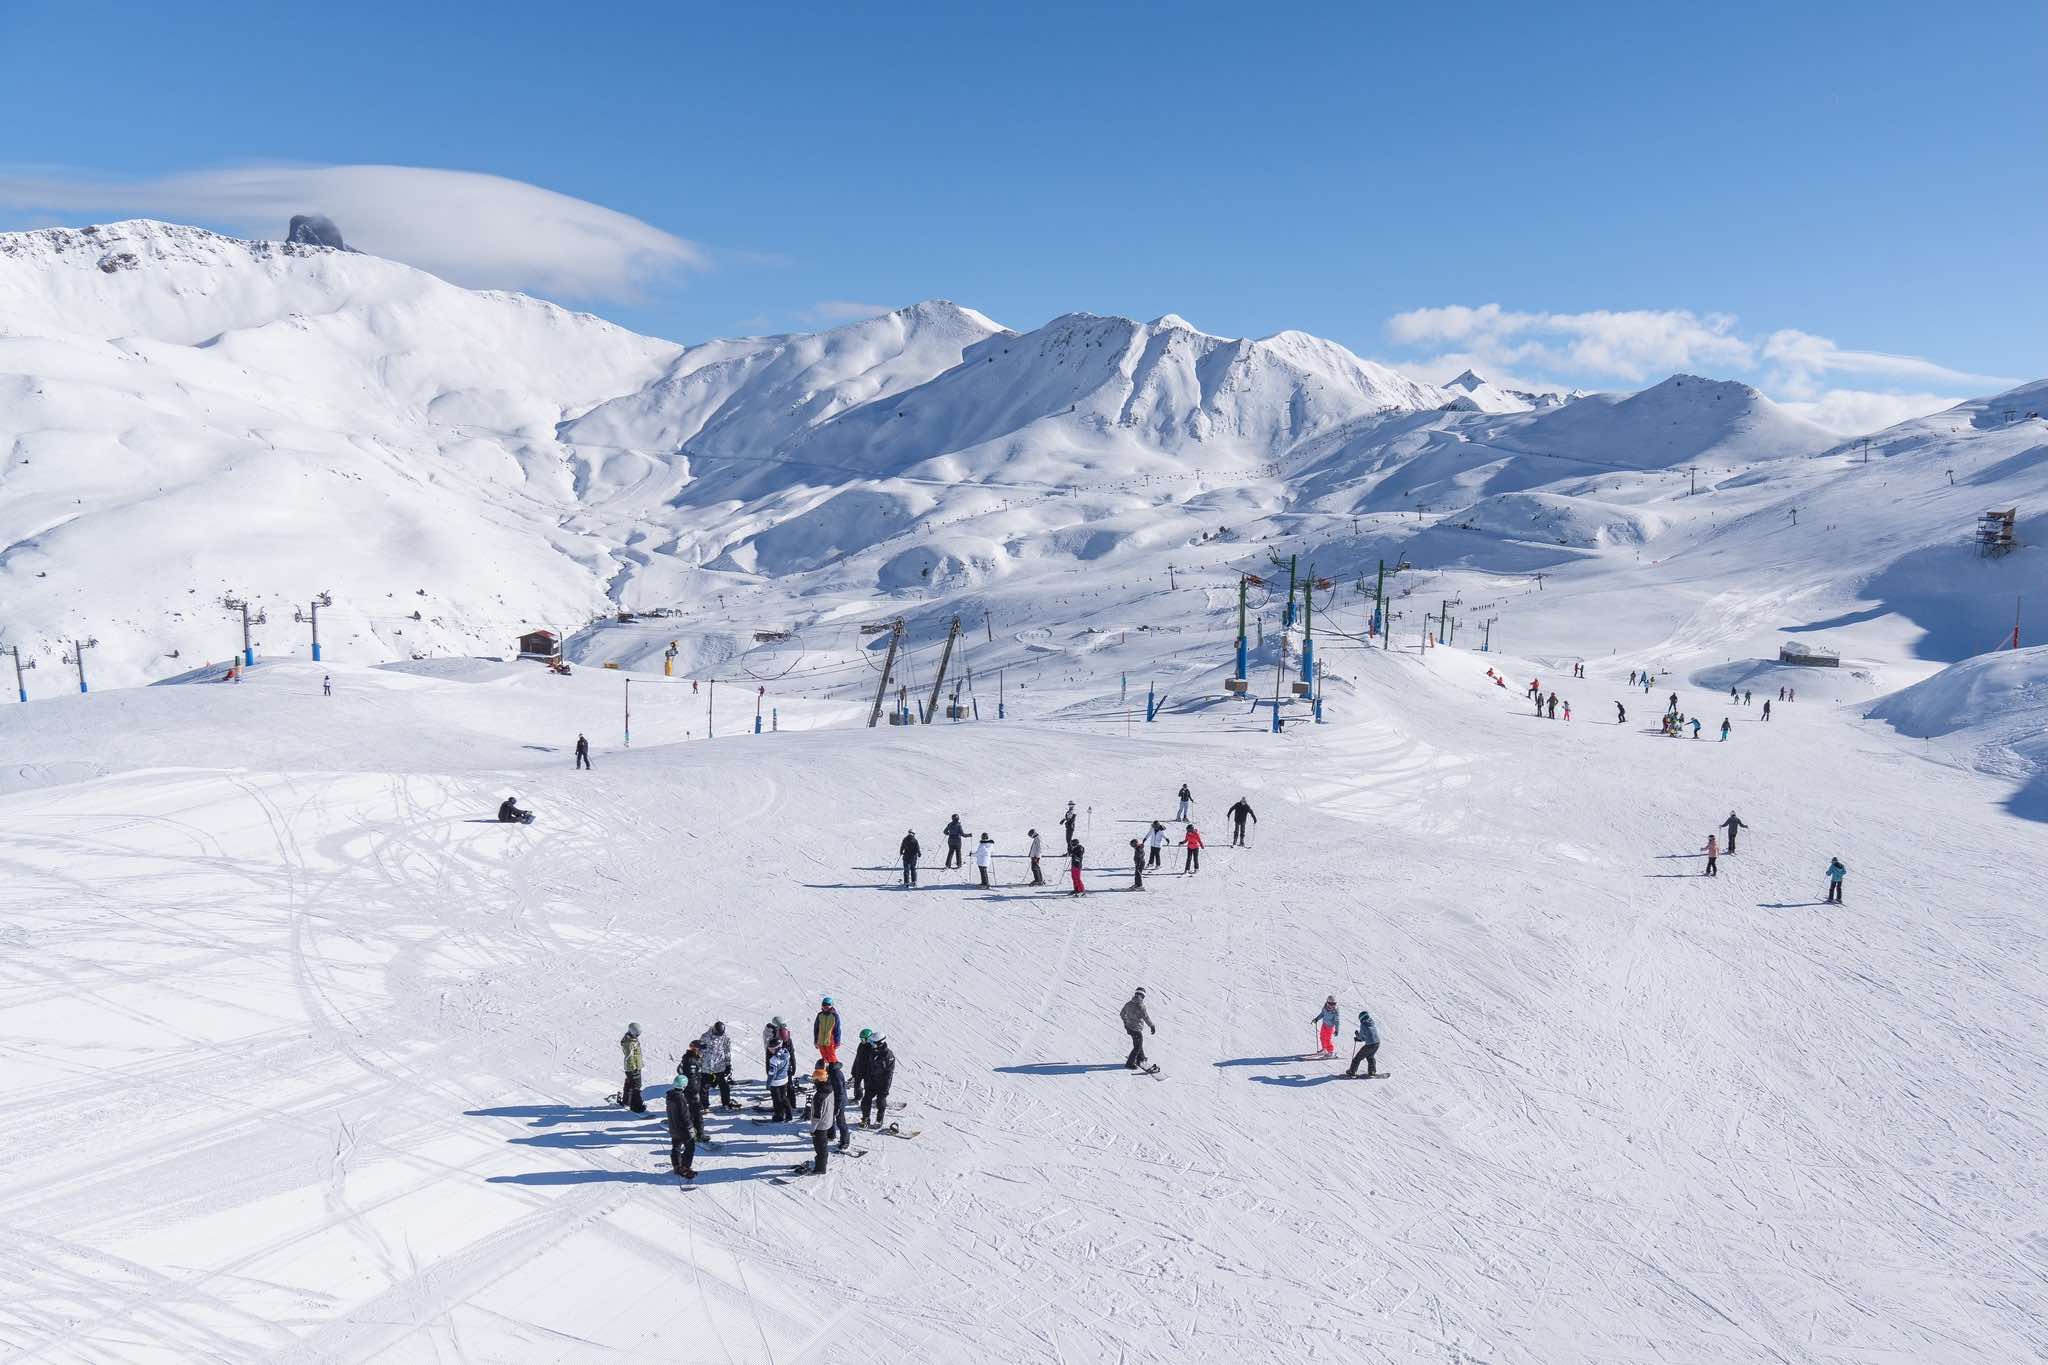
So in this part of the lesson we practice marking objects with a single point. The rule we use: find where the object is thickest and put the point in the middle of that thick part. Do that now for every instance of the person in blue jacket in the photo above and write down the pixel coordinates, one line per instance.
(1367, 1036)
(1835, 874)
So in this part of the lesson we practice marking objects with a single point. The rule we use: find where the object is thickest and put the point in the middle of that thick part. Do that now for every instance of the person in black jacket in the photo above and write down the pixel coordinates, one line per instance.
(955, 832)
(690, 1071)
(861, 1054)
(1137, 864)
(582, 752)
(1731, 824)
(1238, 814)
(910, 849)
(510, 814)
(685, 1126)
(881, 1074)
(1074, 855)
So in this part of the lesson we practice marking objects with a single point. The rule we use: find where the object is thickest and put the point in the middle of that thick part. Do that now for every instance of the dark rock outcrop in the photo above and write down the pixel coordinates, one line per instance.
(315, 229)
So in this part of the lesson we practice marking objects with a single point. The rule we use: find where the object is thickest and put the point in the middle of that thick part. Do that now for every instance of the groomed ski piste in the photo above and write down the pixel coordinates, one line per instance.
(305, 1057)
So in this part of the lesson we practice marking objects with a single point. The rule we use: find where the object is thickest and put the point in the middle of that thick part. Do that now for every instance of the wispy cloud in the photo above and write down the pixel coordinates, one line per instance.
(1633, 346)
(480, 230)
(826, 312)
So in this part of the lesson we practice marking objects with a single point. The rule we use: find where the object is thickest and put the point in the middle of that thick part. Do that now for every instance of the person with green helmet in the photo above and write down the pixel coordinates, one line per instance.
(861, 1056)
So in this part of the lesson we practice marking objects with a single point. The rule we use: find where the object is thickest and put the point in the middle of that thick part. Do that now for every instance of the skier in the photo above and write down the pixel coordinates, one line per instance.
(1713, 858)
(1620, 714)
(1037, 848)
(629, 1093)
(1067, 821)
(1767, 706)
(781, 1066)
(1695, 723)
(1192, 842)
(1074, 852)
(1631, 677)
(582, 753)
(983, 851)
(1791, 694)
(510, 814)
(718, 1065)
(1187, 798)
(1731, 824)
(1781, 694)
(1135, 1017)
(1238, 814)
(1367, 1036)
(825, 1030)
(1674, 701)
(824, 1117)
(1725, 727)
(1567, 710)
(955, 832)
(327, 685)
(881, 1075)
(1137, 864)
(1325, 1021)
(683, 1123)
(1745, 696)
(910, 849)
(1553, 706)
(1539, 706)
(1836, 871)
(1155, 841)
(1734, 696)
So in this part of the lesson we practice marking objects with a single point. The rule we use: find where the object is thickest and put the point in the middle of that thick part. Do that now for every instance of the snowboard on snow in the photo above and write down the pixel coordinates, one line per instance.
(894, 1130)
(1376, 1076)
(1150, 1069)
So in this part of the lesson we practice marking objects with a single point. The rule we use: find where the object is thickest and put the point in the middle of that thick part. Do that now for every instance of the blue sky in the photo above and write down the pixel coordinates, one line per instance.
(1831, 201)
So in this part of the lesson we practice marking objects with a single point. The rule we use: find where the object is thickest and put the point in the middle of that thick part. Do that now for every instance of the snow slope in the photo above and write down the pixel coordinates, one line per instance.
(363, 1035)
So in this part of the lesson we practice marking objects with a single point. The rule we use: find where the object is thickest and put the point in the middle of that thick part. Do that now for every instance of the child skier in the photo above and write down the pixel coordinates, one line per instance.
(1074, 853)
(1325, 1021)
(1193, 844)
(983, 851)
(1835, 874)
(1713, 857)
(1367, 1036)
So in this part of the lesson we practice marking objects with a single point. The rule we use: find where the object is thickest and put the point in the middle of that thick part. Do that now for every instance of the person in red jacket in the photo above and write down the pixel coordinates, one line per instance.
(1193, 843)
(825, 1032)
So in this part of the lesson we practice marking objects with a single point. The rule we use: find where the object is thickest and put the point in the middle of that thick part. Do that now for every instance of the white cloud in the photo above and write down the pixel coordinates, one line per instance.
(1631, 344)
(1857, 412)
(1799, 369)
(480, 230)
(831, 311)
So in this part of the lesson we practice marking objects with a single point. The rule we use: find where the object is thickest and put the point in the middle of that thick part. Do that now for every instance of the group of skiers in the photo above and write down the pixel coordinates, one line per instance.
(1147, 850)
(707, 1063)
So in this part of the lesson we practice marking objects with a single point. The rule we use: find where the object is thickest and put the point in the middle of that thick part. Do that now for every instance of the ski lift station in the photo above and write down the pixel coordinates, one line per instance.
(542, 645)
(1808, 656)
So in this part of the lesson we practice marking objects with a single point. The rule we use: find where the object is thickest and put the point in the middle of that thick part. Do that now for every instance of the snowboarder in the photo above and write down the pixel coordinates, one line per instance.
(1155, 841)
(955, 832)
(910, 849)
(1136, 1018)
(1187, 798)
(781, 1096)
(1037, 848)
(1725, 727)
(1238, 814)
(1539, 706)
(825, 1030)
(1620, 714)
(685, 1118)
(1781, 694)
(691, 1068)
(1192, 842)
(1745, 696)
(1553, 706)
(881, 1075)
(327, 685)
(1767, 706)
(1674, 701)
(718, 1066)
(629, 1093)
(1067, 822)
(983, 851)
(582, 753)
(1137, 864)
(1074, 852)
(862, 1050)
(1713, 858)
(1367, 1036)
(1836, 871)
(824, 1116)
(835, 1076)
(1731, 824)
(1631, 677)
(1325, 1021)
(510, 814)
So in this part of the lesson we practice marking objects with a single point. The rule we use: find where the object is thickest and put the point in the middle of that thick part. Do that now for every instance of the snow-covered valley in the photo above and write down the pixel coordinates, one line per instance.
(304, 1057)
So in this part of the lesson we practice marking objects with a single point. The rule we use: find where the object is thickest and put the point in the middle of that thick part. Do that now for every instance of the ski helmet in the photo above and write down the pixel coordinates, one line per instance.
(777, 1021)
(826, 1001)
(1140, 990)
(632, 1030)
(866, 1034)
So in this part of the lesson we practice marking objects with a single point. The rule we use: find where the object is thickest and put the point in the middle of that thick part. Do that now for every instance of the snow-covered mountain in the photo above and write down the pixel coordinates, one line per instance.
(187, 416)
